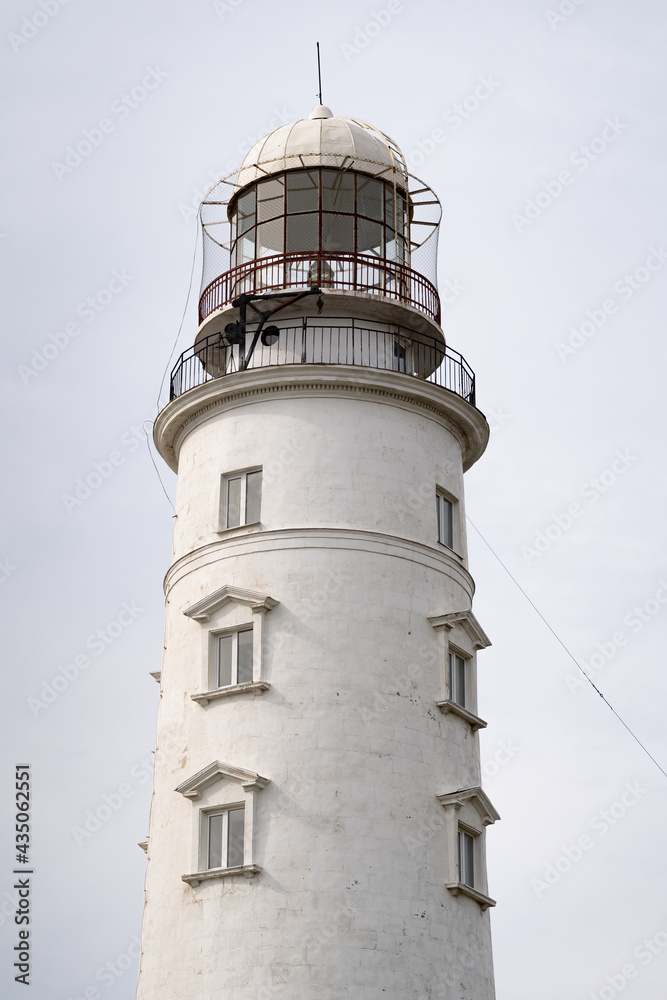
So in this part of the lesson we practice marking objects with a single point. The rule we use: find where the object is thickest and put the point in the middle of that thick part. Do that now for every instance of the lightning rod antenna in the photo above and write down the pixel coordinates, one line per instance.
(319, 71)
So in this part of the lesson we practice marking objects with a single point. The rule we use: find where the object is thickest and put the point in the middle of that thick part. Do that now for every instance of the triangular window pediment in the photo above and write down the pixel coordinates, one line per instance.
(477, 797)
(468, 623)
(217, 771)
(202, 610)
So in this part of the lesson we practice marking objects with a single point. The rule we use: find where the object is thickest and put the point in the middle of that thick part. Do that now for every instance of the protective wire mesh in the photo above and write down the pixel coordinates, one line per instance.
(320, 210)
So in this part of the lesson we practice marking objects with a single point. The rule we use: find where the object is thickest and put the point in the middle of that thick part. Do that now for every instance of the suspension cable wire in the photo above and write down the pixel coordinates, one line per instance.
(166, 368)
(571, 655)
(185, 309)
(157, 471)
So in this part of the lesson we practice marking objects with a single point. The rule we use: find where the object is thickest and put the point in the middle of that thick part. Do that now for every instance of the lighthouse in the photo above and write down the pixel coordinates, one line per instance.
(318, 825)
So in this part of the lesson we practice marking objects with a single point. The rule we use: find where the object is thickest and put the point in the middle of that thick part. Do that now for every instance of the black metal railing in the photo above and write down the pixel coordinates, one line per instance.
(334, 342)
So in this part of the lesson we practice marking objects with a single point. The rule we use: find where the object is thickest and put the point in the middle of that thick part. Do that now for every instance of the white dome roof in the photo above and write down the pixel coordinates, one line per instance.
(323, 139)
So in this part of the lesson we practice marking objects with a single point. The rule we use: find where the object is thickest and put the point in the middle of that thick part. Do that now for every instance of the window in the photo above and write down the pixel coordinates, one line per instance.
(445, 513)
(399, 357)
(458, 686)
(225, 832)
(466, 858)
(468, 812)
(233, 658)
(241, 498)
(222, 845)
(459, 637)
(231, 643)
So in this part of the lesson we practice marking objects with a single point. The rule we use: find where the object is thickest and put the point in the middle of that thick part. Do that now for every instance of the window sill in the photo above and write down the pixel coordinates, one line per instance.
(248, 871)
(231, 689)
(467, 890)
(473, 720)
(239, 529)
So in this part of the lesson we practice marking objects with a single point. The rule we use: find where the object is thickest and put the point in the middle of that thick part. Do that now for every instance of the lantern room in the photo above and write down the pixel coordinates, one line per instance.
(324, 226)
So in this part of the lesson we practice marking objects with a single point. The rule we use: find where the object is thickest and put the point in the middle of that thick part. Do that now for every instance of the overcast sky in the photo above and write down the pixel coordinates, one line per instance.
(541, 127)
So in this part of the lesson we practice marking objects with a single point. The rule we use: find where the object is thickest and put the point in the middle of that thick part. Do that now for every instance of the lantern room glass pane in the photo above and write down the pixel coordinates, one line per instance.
(270, 199)
(370, 197)
(369, 237)
(303, 233)
(393, 250)
(245, 247)
(400, 213)
(337, 232)
(337, 191)
(394, 210)
(244, 669)
(303, 191)
(245, 213)
(270, 238)
(235, 834)
(215, 841)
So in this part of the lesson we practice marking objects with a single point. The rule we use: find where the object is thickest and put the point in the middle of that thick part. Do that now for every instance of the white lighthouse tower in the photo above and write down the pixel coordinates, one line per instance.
(318, 826)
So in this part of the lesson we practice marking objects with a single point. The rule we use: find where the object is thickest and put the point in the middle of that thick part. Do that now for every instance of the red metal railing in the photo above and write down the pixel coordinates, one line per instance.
(356, 272)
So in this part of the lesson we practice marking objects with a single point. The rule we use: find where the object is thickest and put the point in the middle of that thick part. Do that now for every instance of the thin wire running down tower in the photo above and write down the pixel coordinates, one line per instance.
(318, 826)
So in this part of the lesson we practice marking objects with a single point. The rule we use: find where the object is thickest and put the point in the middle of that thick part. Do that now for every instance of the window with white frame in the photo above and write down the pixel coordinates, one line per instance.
(466, 858)
(444, 506)
(231, 643)
(241, 498)
(459, 637)
(224, 833)
(459, 679)
(468, 812)
(232, 658)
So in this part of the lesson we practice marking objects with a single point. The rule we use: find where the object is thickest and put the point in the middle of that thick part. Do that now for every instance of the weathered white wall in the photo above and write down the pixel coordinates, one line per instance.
(329, 460)
(351, 900)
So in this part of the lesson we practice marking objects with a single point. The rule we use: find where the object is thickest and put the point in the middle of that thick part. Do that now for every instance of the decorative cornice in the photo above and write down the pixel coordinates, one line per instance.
(439, 559)
(467, 620)
(202, 610)
(477, 797)
(192, 788)
(179, 416)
